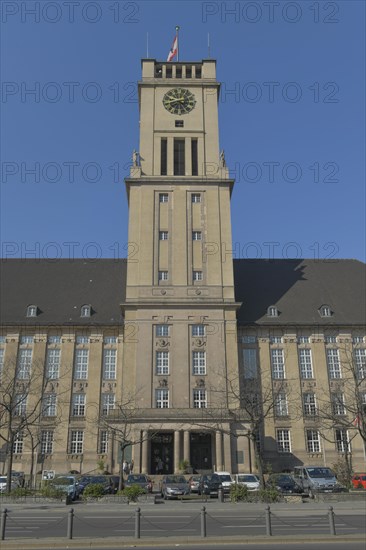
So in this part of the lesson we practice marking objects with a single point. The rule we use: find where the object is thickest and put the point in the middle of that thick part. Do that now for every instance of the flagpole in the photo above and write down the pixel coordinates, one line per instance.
(177, 34)
(208, 44)
(147, 45)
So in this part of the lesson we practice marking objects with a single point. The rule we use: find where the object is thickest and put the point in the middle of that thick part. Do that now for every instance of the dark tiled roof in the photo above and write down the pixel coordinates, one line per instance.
(298, 288)
(59, 288)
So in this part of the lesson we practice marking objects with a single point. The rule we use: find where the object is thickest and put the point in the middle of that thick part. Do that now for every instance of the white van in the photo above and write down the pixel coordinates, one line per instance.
(250, 481)
(226, 480)
(315, 479)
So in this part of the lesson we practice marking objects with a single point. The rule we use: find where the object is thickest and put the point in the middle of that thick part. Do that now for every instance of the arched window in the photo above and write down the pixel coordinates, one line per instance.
(32, 311)
(272, 311)
(85, 311)
(325, 311)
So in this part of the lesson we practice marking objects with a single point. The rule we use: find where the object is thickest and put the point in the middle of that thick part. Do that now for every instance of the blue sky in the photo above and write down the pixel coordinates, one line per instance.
(291, 121)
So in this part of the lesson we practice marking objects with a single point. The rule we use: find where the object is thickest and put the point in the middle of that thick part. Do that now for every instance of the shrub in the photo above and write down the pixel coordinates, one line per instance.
(132, 493)
(238, 493)
(49, 491)
(270, 494)
(21, 492)
(93, 490)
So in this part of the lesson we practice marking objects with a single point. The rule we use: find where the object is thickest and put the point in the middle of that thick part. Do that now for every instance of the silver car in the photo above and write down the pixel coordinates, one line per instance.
(174, 487)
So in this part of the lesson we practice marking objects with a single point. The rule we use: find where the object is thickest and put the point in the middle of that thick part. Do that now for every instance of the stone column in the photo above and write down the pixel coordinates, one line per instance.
(218, 451)
(227, 453)
(187, 446)
(145, 453)
(176, 450)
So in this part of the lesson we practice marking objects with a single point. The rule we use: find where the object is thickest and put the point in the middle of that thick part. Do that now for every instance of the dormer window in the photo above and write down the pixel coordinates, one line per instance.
(325, 311)
(85, 311)
(32, 311)
(272, 311)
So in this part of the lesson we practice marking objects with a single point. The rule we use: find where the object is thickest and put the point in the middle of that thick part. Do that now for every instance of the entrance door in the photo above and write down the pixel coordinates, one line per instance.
(201, 451)
(162, 453)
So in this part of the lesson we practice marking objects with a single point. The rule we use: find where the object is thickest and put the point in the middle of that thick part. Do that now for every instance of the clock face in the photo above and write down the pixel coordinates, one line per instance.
(179, 101)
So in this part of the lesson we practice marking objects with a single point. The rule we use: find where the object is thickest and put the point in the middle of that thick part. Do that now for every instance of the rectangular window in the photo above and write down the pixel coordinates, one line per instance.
(250, 363)
(342, 441)
(18, 444)
(78, 404)
(110, 339)
(360, 358)
(338, 404)
(103, 442)
(49, 404)
(163, 235)
(178, 71)
(20, 404)
(162, 399)
(334, 366)
(197, 276)
(303, 340)
(199, 362)
(313, 441)
(26, 339)
(163, 197)
(188, 71)
(283, 441)
(108, 402)
(162, 362)
(199, 399)
(179, 157)
(281, 407)
(76, 442)
(53, 363)
(54, 339)
(169, 71)
(198, 71)
(306, 366)
(109, 364)
(163, 157)
(198, 330)
(163, 275)
(2, 340)
(161, 330)
(194, 152)
(81, 364)
(276, 339)
(196, 197)
(248, 339)
(196, 235)
(179, 123)
(82, 339)
(278, 364)
(330, 339)
(309, 402)
(24, 364)
(357, 340)
(2, 354)
(47, 442)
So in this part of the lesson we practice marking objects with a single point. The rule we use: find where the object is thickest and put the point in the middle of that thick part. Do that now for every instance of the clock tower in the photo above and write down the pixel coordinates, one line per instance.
(180, 345)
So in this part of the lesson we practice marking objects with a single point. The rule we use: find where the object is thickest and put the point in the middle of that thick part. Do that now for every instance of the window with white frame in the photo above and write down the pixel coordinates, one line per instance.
(32, 311)
(53, 363)
(197, 275)
(306, 365)
(198, 330)
(199, 362)
(248, 339)
(110, 339)
(281, 405)
(196, 236)
(163, 235)
(47, 442)
(272, 311)
(309, 403)
(82, 339)
(81, 364)
(163, 197)
(276, 339)
(49, 404)
(108, 402)
(109, 364)
(54, 339)
(162, 398)
(196, 197)
(161, 330)
(103, 442)
(2, 339)
(199, 398)
(313, 441)
(278, 363)
(18, 443)
(325, 311)
(20, 404)
(162, 362)
(283, 441)
(303, 340)
(358, 340)
(330, 339)
(26, 339)
(24, 364)
(338, 404)
(85, 311)
(342, 440)
(78, 404)
(163, 275)
(334, 365)
(250, 367)
(2, 355)
(76, 442)
(360, 358)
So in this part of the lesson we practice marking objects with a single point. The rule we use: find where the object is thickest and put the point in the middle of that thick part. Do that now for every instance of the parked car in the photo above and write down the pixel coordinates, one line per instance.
(209, 484)
(114, 483)
(194, 483)
(359, 481)
(14, 484)
(226, 480)
(141, 480)
(248, 480)
(66, 484)
(86, 480)
(315, 479)
(284, 483)
(174, 486)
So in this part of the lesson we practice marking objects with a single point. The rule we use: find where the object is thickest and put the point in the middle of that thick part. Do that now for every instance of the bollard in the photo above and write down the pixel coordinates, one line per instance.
(331, 521)
(203, 522)
(220, 495)
(268, 521)
(70, 523)
(137, 523)
(4, 515)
